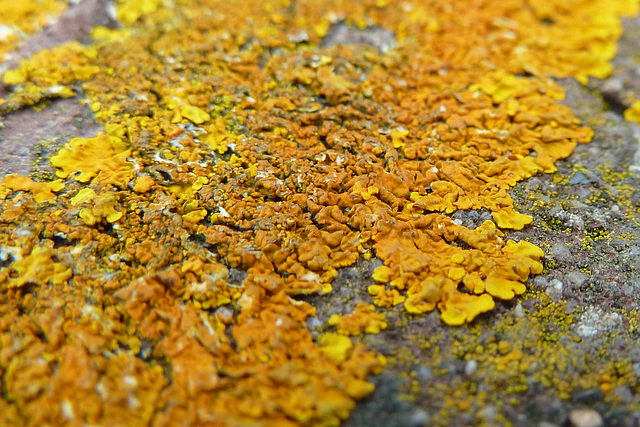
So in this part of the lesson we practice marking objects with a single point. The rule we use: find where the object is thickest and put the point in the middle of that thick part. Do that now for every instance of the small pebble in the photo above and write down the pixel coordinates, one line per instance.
(585, 418)
(470, 367)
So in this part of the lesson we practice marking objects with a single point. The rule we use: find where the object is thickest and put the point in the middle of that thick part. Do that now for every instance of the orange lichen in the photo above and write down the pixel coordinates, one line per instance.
(431, 270)
(211, 288)
(383, 297)
(241, 169)
(143, 184)
(41, 190)
(363, 319)
(37, 268)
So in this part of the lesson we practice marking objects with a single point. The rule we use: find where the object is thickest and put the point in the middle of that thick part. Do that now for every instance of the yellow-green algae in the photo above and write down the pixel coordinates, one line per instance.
(251, 150)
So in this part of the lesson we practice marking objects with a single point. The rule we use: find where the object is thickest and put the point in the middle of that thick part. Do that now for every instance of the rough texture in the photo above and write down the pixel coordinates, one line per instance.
(586, 219)
(564, 352)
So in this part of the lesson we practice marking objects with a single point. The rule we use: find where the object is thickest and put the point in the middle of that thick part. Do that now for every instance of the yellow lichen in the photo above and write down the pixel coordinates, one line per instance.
(20, 19)
(633, 113)
(363, 319)
(102, 206)
(383, 297)
(102, 159)
(129, 11)
(50, 74)
(336, 347)
(84, 196)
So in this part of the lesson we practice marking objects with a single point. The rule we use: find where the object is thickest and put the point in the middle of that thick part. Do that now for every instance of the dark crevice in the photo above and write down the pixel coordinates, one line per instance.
(613, 102)
(460, 244)
(60, 241)
(200, 241)
(548, 21)
(108, 229)
(6, 259)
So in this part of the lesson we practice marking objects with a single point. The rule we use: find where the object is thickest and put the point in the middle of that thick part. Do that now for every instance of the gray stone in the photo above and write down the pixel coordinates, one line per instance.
(488, 413)
(561, 252)
(579, 178)
(624, 393)
(589, 397)
(575, 279)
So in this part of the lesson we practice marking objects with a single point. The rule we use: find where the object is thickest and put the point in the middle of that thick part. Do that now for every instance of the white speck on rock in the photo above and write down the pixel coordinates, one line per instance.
(518, 311)
(572, 220)
(130, 381)
(299, 37)
(554, 289)
(6, 32)
(470, 367)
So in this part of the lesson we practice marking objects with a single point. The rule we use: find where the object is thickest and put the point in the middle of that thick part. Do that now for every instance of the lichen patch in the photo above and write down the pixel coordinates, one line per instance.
(235, 140)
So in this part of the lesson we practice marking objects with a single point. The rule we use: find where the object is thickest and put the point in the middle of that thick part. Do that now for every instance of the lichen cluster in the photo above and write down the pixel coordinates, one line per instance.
(20, 19)
(633, 112)
(244, 161)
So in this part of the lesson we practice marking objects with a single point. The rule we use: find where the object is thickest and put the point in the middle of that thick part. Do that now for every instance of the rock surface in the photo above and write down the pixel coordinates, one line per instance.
(565, 353)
